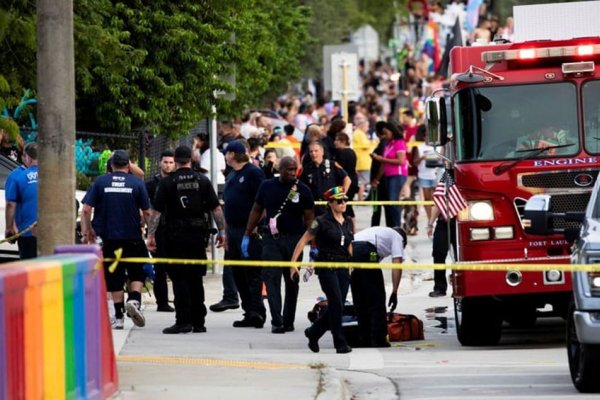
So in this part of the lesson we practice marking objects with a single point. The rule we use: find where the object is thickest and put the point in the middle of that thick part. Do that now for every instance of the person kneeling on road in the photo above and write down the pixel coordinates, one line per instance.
(368, 288)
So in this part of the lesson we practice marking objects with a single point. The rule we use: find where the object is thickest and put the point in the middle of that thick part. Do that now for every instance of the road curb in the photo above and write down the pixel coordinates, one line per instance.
(331, 385)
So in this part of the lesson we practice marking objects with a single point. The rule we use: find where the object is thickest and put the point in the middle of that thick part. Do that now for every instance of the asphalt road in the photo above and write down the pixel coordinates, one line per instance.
(253, 363)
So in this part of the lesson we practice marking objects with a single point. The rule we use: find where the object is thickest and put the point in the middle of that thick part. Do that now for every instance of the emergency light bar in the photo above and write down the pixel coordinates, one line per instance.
(537, 53)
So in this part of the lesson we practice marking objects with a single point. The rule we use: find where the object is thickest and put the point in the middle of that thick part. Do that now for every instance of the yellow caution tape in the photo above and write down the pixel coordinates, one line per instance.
(365, 265)
(384, 203)
(113, 266)
(286, 144)
(282, 144)
(412, 144)
(19, 234)
(377, 203)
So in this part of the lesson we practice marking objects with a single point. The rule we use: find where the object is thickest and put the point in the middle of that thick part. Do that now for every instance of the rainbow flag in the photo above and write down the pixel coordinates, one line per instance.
(431, 45)
(473, 14)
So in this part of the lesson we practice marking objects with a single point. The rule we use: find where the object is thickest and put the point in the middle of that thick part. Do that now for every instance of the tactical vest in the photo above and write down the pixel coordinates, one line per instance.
(190, 212)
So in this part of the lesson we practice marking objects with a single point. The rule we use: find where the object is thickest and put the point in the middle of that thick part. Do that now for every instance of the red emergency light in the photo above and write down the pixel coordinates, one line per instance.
(585, 50)
(527, 54)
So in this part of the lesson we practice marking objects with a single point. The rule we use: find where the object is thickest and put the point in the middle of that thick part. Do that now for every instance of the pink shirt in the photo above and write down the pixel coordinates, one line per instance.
(391, 151)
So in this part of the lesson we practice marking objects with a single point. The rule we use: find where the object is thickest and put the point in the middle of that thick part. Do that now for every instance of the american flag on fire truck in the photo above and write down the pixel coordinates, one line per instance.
(447, 197)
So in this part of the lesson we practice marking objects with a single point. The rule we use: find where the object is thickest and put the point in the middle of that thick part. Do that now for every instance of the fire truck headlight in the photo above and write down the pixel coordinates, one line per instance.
(595, 283)
(480, 234)
(504, 232)
(481, 210)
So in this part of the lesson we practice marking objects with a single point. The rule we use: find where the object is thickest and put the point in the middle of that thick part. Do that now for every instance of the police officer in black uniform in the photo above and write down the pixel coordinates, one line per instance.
(288, 206)
(437, 227)
(321, 174)
(161, 290)
(240, 191)
(332, 233)
(187, 199)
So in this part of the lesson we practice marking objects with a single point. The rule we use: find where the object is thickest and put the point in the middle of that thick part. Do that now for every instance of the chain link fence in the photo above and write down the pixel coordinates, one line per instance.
(93, 149)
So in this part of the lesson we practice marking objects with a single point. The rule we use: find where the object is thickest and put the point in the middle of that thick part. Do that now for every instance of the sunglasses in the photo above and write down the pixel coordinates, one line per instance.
(339, 201)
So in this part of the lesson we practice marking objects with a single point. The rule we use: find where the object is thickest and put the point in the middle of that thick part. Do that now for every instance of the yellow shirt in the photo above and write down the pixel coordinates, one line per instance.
(363, 147)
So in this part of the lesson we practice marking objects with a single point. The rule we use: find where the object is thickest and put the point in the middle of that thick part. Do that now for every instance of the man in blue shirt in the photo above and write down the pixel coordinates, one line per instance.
(240, 190)
(21, 193)
(117, 199)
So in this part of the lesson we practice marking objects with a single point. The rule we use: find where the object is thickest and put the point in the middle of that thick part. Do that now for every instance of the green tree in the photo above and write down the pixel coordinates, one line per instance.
(160, 62)
(157, 63)
(17, 35)
(334, 20)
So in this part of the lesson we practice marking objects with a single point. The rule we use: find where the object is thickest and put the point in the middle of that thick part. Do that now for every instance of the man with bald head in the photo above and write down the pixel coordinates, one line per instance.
(289, 207)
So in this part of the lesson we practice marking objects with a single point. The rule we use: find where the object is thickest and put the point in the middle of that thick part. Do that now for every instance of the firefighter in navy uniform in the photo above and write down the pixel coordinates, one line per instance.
(332, 232)
(187, 199)
(321, 174)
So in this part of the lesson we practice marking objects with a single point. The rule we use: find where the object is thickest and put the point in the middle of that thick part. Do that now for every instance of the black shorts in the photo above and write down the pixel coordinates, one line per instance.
(115, 281)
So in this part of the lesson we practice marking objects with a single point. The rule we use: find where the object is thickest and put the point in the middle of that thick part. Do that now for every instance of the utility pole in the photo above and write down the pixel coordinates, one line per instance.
(56, 115)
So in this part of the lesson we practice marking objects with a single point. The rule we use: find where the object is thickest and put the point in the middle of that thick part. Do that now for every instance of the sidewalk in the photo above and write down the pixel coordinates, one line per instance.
(233, 363)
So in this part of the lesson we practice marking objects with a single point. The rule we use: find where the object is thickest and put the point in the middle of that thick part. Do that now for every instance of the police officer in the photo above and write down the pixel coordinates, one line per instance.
(368, 288)
(289, 211)
(161, 290)
(240, 191)
(116, 200)
(443, 232)
(186, 198)
(321, 173)
(332, 233)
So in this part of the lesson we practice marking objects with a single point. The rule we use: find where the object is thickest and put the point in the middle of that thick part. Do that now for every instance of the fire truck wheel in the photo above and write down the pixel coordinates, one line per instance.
(478, 321)
(584, 360)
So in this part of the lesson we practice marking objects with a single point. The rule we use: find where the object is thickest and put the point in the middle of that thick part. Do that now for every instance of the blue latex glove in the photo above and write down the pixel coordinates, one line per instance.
(313, 254)
(245, 244)
(149, 270)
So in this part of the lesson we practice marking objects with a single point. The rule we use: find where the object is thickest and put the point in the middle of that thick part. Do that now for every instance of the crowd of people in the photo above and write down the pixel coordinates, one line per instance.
(262, 218)
(272, 167)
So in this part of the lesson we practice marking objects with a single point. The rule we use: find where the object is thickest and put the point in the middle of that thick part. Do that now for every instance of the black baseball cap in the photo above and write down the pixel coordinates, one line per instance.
(120, 158)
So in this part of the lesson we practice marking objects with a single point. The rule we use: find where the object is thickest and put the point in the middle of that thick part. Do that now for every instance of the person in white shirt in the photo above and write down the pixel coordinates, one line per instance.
(426, 175)
(201, 155)
(205, 166)
(368, 288)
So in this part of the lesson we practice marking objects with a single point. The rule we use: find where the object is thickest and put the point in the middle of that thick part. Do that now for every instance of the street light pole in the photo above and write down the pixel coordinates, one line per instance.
(344, 66)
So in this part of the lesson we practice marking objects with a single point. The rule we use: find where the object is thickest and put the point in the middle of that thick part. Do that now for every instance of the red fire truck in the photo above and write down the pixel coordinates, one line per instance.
(518, 119)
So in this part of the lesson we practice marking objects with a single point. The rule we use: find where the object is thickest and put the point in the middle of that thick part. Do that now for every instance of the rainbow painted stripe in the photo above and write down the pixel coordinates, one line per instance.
(55, 336)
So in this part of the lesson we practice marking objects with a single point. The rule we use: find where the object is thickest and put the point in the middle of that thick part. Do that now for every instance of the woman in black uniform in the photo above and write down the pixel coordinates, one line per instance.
(332, 233)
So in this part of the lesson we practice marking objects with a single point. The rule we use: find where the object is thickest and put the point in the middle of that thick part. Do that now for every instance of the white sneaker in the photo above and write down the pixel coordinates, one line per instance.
(118, 323)
(133, 311)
